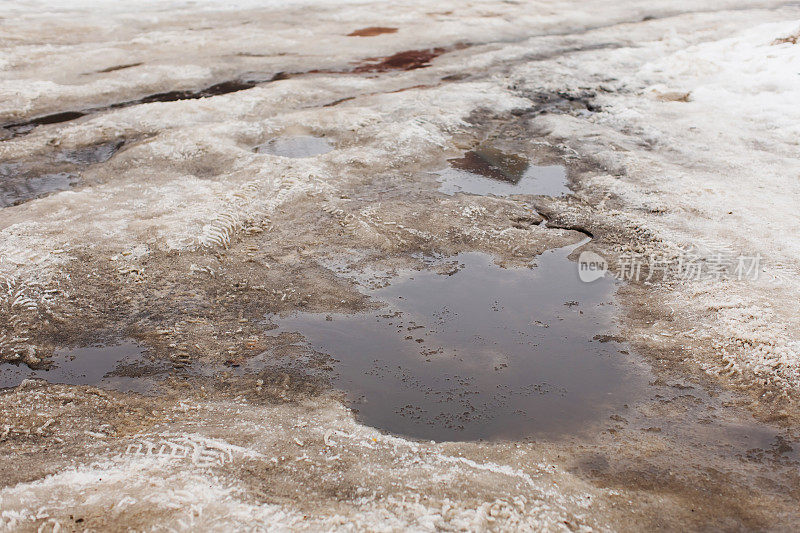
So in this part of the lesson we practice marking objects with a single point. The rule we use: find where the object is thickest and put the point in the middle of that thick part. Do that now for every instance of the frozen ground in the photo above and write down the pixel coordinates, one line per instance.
(678, 125)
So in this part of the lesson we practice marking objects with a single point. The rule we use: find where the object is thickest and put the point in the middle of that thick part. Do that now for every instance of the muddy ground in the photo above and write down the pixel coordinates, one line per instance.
(186, 183)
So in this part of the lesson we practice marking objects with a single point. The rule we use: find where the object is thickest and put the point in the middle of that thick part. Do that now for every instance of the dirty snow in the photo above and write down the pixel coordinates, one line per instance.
(690, 138)
(723, 167)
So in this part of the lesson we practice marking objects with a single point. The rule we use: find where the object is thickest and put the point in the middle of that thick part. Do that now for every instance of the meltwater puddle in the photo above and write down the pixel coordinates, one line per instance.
(15, 190)
(112, 366)
(489, 171)
(21, 181)
(484, 353)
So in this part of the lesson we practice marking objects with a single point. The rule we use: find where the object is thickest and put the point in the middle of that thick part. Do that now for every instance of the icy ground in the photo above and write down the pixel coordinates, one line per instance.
(678, 123)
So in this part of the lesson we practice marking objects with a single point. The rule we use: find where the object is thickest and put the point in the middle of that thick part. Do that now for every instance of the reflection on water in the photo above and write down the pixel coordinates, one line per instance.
(484, 353)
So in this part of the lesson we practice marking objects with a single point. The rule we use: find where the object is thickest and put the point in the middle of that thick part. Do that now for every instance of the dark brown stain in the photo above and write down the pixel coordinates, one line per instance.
(252, 54)
(55, 118)
(408, 60)
(225, 87)
(372, 31)
(456, 77)
(339, 101)
(217, 89)
(21, 128)
(118, 67)
(348, 98)
(492, 163)
(411, 87)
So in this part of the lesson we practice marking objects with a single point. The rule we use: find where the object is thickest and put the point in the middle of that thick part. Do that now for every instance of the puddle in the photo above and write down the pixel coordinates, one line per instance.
(484, 353)
(89, 155)
(295, 147)
(492, 163)
(21, 181)
(489, 171)
(537, 180)
(114, 366)
(15, 190)
(491, 353)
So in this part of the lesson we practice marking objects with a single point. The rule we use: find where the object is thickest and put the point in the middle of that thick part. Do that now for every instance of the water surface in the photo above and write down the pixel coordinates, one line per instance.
(107, 366)
(483, 353)
(489, 171)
